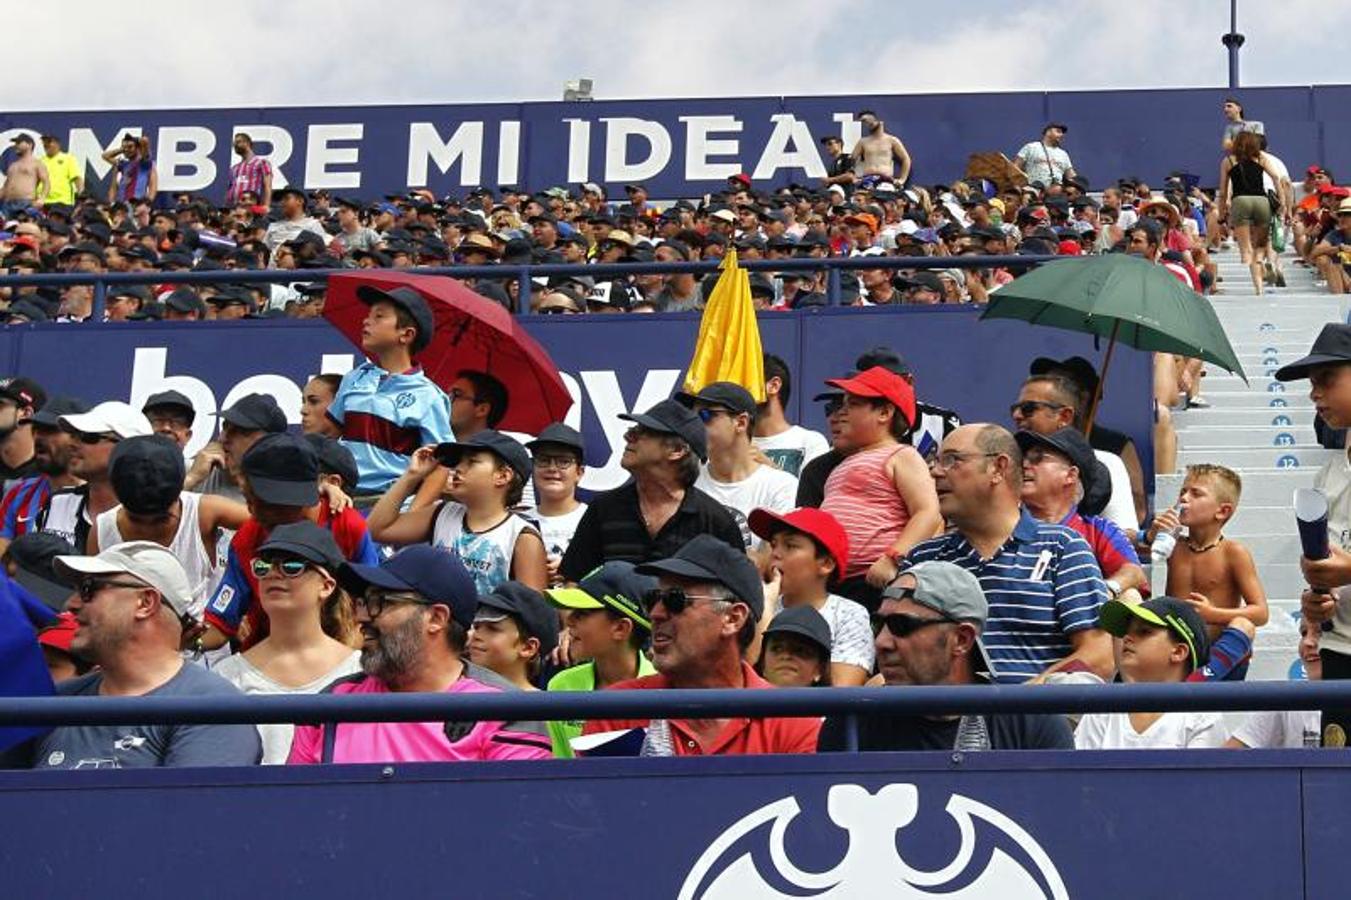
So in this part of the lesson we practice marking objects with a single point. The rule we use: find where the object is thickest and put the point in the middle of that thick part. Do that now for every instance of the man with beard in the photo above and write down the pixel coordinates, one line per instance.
(1046, 160)
(19, 398)
(53, 457)
(877, 153)
(414, 611)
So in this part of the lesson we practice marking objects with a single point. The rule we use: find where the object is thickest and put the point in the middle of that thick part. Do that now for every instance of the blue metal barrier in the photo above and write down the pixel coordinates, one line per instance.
(523, 273)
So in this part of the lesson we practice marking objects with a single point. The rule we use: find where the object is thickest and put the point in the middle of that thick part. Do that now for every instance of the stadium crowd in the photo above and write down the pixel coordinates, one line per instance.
(409, 545)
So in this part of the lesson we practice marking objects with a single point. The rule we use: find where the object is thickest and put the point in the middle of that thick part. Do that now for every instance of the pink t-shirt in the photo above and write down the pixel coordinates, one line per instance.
(863, 497)
(390, 742)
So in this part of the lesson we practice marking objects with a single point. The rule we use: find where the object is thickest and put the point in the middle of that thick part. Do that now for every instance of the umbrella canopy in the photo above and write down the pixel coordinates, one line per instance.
(728, 347)
(471, 332)
(1121, 297)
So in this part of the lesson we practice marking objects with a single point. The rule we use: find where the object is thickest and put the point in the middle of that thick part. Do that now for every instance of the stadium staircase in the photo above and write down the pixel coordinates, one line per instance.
(1263, 430)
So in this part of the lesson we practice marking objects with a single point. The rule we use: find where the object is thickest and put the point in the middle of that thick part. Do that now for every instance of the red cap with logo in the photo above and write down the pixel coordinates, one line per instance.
(883, 384)
(821, 526)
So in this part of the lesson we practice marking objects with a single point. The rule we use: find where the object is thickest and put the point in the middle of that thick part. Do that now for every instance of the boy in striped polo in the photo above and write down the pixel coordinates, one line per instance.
(386, 407)
(1041, 580)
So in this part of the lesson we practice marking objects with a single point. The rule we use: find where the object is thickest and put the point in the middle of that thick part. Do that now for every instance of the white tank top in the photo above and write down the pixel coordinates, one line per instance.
(187, 546)
(487, 555)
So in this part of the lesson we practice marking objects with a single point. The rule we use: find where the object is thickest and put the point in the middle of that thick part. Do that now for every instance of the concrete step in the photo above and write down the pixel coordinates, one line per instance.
(1223, 382)
(1251, 399)
(1256, 457)
(1262, 417)
(1261, 487)
(1193, 436)
(1259, 520)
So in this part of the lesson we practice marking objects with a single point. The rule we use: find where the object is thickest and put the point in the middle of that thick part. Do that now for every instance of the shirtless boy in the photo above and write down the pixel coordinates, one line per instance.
(1213, 573)
(26, 180)
(876, 151)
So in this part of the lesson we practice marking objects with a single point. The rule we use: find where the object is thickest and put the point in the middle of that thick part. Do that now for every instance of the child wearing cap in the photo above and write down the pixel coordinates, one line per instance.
(514, 629)
(796, 649)
(608, 629)
(557, 459)
(1213, 573)
(386, 405)
(809, 549)
(1162, 640)
(487, 478)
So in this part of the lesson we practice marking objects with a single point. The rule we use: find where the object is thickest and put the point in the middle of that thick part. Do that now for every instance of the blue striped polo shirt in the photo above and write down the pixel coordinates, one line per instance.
(384, 417)
(1042, 586)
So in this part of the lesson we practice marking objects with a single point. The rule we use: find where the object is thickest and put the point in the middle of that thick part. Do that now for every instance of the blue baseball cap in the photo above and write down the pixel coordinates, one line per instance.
(435, 575)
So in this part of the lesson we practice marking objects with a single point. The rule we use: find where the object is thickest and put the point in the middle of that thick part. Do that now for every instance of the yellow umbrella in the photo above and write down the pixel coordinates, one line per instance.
(728, 347)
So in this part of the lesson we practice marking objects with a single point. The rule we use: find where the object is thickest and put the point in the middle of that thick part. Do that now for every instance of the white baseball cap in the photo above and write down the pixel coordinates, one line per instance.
(112, 417)
(146, 560)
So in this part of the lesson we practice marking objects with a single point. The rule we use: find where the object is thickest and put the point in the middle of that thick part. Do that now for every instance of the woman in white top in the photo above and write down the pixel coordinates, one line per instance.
(809, 548)
(309, 644)
(146, 474)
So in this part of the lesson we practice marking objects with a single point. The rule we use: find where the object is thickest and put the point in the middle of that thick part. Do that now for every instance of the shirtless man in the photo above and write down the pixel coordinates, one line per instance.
(26, 180)
(1215, 575)
(874, 154)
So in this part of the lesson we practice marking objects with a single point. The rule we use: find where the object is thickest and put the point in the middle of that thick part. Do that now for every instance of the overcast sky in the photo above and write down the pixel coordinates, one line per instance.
(168, 53)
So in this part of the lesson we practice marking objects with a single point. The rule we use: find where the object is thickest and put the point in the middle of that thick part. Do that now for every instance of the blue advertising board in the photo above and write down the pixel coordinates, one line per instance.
(992, 826)
(688, 147)
(611, 364)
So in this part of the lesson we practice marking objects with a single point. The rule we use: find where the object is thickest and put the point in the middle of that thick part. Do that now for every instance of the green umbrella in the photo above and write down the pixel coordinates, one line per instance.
(1120, 297)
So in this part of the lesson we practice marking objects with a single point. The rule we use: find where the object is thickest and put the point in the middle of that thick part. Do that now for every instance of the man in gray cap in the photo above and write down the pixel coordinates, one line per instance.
(132, 607)
(928, 632)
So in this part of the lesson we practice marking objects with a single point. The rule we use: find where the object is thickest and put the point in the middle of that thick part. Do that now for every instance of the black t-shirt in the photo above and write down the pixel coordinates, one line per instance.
(841, 165)
(1017, 731)
(811, 481)
(612, 528)
(1108, 440)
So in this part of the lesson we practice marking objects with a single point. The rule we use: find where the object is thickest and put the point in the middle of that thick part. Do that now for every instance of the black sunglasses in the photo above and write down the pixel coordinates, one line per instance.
(674, 599)
(903, 625)
(91, 439)
(1028, 408)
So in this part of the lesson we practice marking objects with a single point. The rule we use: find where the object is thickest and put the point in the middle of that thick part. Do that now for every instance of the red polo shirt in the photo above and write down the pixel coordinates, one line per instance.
(739, 737)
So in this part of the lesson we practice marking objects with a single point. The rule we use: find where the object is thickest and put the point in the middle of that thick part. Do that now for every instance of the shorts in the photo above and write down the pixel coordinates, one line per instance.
(1253, 211)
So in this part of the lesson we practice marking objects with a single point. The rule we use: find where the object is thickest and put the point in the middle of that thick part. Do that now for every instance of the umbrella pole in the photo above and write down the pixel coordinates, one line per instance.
(1102, 377)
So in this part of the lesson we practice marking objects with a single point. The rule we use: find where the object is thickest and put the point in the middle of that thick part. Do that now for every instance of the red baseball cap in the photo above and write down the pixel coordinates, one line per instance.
(59, 636)
(881, 383)
(1069, 248)
(818, 525)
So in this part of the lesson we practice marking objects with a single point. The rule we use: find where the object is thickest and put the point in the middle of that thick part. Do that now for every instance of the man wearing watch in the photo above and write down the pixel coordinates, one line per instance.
(1041, 580)
(1060, 474)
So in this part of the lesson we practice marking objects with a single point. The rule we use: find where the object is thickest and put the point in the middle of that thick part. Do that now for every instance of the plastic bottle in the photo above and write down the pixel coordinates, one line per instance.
(1164, 543)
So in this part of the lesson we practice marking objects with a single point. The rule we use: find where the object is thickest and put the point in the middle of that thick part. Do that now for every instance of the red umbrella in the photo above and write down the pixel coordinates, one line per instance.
(472, 332)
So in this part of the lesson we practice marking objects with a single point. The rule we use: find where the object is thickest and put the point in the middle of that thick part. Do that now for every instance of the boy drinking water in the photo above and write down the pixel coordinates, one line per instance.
(1215, 574)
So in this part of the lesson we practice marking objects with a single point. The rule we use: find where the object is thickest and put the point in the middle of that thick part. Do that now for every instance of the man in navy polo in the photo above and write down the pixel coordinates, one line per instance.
(1041, 580)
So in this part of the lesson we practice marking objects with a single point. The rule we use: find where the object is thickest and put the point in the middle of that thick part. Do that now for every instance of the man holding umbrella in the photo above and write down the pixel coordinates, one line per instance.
(386, 407)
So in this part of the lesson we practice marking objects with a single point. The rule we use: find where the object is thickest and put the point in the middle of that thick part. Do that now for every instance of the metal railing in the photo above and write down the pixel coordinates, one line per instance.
(852, 703)
(522, 273)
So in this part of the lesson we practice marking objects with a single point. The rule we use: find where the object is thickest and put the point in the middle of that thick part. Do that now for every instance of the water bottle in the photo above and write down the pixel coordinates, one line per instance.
(1164, 543)
(972, 734)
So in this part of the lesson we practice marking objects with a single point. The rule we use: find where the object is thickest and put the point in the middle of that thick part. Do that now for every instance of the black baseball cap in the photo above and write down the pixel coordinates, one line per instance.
(1177, 616)
(140, 292)
(283, 469)
(26, 308)
(803, 621)
(1332, 346)
(925, 279)
(256, 412)
(170, 400)
(23, 391)
(335, 459)
(278, 193)
(674, 417)
(1071, 443)
(436, 576)
(528, 607)
(508, 449)
(57, 407)
(306, 540)
(33, 554)
(411, 302)
(1078, 369)
(185, 300)
(706, 558)
(727, 395)
(146, 473)
(560, 434)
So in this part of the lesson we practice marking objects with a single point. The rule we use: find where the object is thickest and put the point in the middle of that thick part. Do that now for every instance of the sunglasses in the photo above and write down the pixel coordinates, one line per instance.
(902, 625)
(289, 568)
(676, 600)
(91, 439)
(1029, 408)
(91, 586)
(707, 414)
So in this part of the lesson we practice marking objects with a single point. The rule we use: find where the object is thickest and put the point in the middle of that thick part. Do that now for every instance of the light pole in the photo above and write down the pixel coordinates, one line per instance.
(1232, 41)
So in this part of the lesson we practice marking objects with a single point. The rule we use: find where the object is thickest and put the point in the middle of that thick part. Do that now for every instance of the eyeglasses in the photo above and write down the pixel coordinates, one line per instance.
(903, 625)
(91, 439)
(289, 568)
(951, 459)
(375, 600)
(560, 463)
(456, 394)
(1028, 408)
(91, 586)
(676, 600)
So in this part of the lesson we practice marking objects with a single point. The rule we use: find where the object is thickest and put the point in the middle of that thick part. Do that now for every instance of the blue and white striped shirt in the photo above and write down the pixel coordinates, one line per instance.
(384, 417)
(1043, 585)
